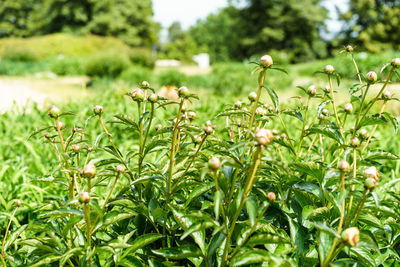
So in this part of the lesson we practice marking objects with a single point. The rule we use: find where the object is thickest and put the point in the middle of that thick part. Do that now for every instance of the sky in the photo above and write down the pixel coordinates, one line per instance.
(187, 12)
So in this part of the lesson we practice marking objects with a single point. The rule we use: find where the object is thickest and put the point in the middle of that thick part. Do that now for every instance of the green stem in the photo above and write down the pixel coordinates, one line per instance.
(353, 187)
(304, 126)
(86, 210)
(374, 129)
(287, 133)
(261, 82)
(364, 95)
(355, 65)
(359, 206)
(5, 235)
(339, 125)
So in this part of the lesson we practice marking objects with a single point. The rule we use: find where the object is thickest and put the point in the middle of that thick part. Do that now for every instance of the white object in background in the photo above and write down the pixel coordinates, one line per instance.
(202, 60)
(168, 63)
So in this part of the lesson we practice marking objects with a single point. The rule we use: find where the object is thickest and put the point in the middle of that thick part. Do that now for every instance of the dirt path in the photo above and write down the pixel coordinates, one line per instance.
(20, 91)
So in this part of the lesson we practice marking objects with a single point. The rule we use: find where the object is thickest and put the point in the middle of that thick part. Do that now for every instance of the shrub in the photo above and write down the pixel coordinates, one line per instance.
(136, 74)
(18, 54)
(66, 65)
(108, 64)
(172, 78)
(142, 56)
(233, 77)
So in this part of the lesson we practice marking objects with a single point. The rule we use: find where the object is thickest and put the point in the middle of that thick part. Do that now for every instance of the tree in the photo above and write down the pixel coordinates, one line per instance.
(373, 24)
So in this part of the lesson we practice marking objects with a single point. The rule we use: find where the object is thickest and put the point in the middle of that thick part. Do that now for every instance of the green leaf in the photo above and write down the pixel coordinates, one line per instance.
(178, 253)
(217, 203)
(39, 130)
(71, 252)
(45, 260)
(373, 120)
(142, 241)
(325, 228)
(14, 236)
(363, 255)
(370, 220)
(260, 239)
(393, 120)
(251, 206)
(199, 190)
(273, 96)
(327, 131)
(127, 120)
(214, 244)
(381, 155)
(250, 257)
(310, 168)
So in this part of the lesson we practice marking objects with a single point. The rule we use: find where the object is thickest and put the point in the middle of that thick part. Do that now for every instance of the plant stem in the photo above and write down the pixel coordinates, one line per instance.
(261, 82)
(287, 134)
(304, 126)
(334, 108)
(355, 65)
(60, 134)
(5, 234)
(360, 205)
(86, 210)
(374, 129)
(353, 187)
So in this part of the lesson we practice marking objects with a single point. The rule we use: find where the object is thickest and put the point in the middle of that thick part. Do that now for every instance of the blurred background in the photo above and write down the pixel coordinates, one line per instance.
(63, 49)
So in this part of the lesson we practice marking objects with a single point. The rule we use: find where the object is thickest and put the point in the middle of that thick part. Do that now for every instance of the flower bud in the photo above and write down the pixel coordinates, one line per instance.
(89, 170)
(98, 110)
(54, 112)
(349, 48)
(355, 142)
(371, 77)
(184, 116)
(252, 96)
(208, 130)
(329, 69)
(263, 137)
(396, 62)
(238, 104)
(183, 108)
(364, 134)
(145, 84)
(158, 127)
(60, 124)
(76, 148)
(387, 94)
(260, 111)
(371, 172)
(344, 166)
(84, 197)
(137, 95)
(370, 184)
(214, 164)
(152, 98)
(120, 168)
(266, 61)
(275, 132)
(90, 149)
(321, 116)
(350, 236)
(183, 92)
(283, 136)
(208, 123)
(271, 196)
(327, 89)
(348, 108)
(197, 139)
(325, 112)
(192, 115)
(47, 135)
(312, 90)
(19, 203)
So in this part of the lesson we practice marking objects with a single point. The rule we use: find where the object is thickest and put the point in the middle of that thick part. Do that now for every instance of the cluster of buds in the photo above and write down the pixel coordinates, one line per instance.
(312, 90)
(264, 137)
(89, 170)
(183, 92)
(54, 112)
(348, 108)
(84, 197)
(371, 177)
(252, 96)
(266, 61)
(214, 164)
(351, 236)
(371, 77)
(137, 95)
(209, 129)
(329, 69)
(98, 110)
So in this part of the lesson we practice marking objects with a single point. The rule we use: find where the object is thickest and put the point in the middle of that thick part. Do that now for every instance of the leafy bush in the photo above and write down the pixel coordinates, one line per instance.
(136, 74)
(109, 64)
(18, 54)
(172, 78)
(302, 183)
(142, 56)
(66, 65)
(233, 77)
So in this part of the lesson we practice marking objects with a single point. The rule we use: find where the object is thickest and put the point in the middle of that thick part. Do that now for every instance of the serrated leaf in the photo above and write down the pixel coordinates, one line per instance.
(373, 120)
(393, 120)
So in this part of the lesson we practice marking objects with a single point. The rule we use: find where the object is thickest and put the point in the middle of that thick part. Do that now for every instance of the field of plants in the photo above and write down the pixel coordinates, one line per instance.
(255, 164)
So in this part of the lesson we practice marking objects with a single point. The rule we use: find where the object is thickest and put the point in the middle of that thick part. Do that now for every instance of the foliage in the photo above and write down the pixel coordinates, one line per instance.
(171, 78)
(20, 55)
(136, 74)
(109, 64)
(373, 25)
(271, 183)
(142, 56)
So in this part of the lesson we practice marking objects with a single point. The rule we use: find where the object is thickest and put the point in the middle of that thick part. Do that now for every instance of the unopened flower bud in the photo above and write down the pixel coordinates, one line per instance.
(89, 170)
(60, 124)
(152, 98)
(387, 94)
(47, 135)
(370, 184)
(208, 130)
(312, 90)
(184, 116)
(120, 168)
(84, 197)
(238, 104)
(197, 139)
(364, 134)
(350, 236)
(263, 137)
(145, 84)
(321, 116)
(371, 77)
(344, 166)
(137, 95)
(349, 48)
(371, 172)
(214, 164)
(266, 61)
(271, 196)
(396, 62)
(283, 136)
(76, 148)
(183, 108)
(183, 92)
(19, 203)
(252, 96)
(348, 108)
(98, 110)
(355, 142)
(329, 69)
(158, 127)
(325, 112)
(260, 111)
(275, 132)
(208, 123)
(54, 112)
(327, 89)
(192, 115)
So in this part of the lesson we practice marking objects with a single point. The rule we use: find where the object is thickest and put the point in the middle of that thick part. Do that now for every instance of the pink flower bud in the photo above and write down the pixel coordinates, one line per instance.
(350, 236)
(252, 96)
(89, 170)
(260, 111)
(208, 123)
(98, 110)
(275, 132)
(238, 104)
(355, 142)
(312, 90)
(184, 108)
(325, 112)
(329, 69)
(153, 98)
(370, 184)
(208, 130)
(349, 48)
(348, 108)
(76, 148)
(327, 89)
(387, 94)
(396, 62)
(283, 136)
(19, 203)
(120, 168)
(266, 61)
(84, 197)
(47, 135)
(371, 172)
(145, 84)
(263, 137)
(54, 112)
(192, 115)
(271, 196)
(137, 95)
(371, 77)
(183, 92)
(214, 164)
(364, 134)
(344, 166)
